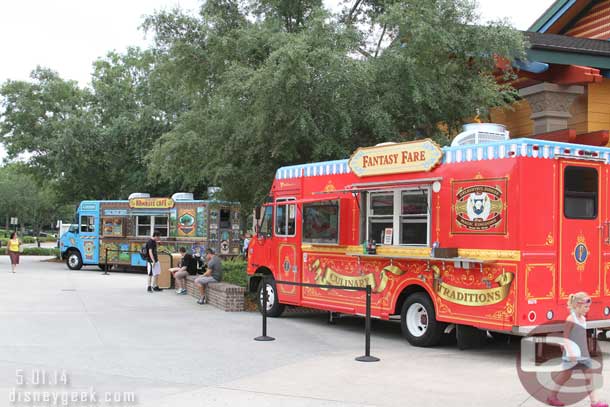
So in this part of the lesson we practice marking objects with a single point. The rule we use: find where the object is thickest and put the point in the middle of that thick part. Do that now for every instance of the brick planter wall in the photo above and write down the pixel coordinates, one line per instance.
(227, 297)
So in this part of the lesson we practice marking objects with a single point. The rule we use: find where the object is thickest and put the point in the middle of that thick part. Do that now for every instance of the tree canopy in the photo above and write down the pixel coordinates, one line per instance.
(296, 84)
(24, 198)
(227, 96)
(90, 142)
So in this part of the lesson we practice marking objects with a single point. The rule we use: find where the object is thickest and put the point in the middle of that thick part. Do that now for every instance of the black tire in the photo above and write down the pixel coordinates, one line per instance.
(422, 329)
(102, 267)
(274, 308)
(74, 261)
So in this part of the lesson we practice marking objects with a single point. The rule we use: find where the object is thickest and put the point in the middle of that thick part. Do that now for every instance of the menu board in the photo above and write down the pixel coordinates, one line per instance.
(112, 227)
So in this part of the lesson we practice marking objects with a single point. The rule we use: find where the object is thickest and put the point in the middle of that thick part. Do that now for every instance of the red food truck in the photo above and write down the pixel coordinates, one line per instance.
(490, 233)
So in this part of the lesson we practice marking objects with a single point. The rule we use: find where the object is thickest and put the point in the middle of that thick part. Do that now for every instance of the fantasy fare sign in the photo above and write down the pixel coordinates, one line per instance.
(414, 156)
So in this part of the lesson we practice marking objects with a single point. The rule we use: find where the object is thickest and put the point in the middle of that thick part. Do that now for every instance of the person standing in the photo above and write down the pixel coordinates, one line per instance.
(213, 274)
(576, 350)
(13, 248)
(152, 264)
(246, 244)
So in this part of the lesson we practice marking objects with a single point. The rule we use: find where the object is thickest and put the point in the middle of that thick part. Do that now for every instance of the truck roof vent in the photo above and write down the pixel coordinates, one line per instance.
(213, 192)
(478, 133)
(137, 195)
(182, 196)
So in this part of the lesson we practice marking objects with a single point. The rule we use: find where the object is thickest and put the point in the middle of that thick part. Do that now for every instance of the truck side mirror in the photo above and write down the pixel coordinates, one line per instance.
(257, 213)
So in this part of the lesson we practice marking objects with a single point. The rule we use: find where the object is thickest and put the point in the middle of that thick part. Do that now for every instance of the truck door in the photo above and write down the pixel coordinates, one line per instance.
(581, 231)
(88, 231)
(288, 249)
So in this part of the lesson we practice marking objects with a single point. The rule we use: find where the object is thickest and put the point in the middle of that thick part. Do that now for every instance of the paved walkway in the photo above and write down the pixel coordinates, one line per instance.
(110, 335)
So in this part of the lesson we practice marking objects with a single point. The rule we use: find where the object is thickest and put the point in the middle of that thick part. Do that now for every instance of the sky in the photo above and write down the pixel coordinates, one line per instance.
(68, 35)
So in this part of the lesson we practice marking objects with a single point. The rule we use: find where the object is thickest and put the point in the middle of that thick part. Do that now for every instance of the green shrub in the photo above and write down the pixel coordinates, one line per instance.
(234, 272)
(36, 251)
(28, 239)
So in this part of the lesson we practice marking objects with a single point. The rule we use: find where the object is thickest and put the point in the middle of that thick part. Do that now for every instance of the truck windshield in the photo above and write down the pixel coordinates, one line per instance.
(266, 223)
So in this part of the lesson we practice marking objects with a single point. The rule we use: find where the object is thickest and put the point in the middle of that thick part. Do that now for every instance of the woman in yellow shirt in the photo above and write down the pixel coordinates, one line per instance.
(14, 245)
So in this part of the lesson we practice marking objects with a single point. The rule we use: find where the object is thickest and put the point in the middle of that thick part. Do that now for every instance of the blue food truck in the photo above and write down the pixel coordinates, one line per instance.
(113, 232)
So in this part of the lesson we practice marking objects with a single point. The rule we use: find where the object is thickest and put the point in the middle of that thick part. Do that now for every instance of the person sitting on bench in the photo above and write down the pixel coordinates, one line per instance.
(182, 271)
(213, 274)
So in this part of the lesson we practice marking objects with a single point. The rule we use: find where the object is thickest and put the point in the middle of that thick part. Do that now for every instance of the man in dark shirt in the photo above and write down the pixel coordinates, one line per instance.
(152, 262)
(212, 275)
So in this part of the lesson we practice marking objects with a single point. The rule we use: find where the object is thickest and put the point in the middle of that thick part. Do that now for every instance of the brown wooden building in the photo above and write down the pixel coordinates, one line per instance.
(565, 84)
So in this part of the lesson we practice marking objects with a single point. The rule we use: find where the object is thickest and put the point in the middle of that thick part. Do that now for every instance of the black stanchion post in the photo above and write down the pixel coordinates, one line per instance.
(106, 264)
(367, 331)
(264, 337)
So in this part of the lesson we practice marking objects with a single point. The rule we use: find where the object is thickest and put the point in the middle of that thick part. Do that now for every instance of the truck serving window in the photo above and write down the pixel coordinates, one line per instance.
(225, 218)
(285, 215)
(400, 216)
(321, 222)
(580, 193)
(414, 217)
(381, 215)
(145, 225)
(87, 224)
(161, 224)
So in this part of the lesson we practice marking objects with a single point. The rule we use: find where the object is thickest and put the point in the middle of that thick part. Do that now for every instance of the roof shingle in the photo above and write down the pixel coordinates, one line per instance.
(568, 44)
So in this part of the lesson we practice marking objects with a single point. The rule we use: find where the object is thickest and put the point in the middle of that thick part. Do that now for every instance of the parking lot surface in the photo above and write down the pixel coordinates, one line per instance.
(66, 332)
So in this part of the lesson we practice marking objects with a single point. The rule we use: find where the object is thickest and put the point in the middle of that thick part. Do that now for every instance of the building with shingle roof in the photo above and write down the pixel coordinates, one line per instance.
(565, 84)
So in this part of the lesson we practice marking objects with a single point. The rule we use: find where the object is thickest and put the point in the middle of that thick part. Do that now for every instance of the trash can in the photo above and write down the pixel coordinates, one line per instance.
(165, 278)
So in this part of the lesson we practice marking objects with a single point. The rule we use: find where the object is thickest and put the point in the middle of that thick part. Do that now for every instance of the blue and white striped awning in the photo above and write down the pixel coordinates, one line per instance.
(522, 147)
(509, 149)
(313, 170)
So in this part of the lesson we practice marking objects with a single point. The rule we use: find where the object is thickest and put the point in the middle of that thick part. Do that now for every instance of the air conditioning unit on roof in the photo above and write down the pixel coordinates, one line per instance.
(478, 133)
(138, 195)
(182, 196)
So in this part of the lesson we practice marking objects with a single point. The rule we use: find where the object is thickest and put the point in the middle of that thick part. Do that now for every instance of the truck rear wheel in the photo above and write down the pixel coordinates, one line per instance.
(74, 260)
(274, 308)
(418, 321)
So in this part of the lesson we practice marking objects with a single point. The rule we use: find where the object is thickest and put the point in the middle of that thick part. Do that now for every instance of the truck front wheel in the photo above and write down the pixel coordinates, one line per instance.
(418, 321)
(74, 260)
(274, 308)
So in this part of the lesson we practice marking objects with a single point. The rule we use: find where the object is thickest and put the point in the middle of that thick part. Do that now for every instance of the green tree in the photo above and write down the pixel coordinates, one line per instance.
(295, 84)
(227, 96)
(92, 142)
(22, 197)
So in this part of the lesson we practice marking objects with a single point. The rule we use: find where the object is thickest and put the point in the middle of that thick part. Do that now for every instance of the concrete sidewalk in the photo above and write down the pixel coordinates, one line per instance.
(112, 336)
